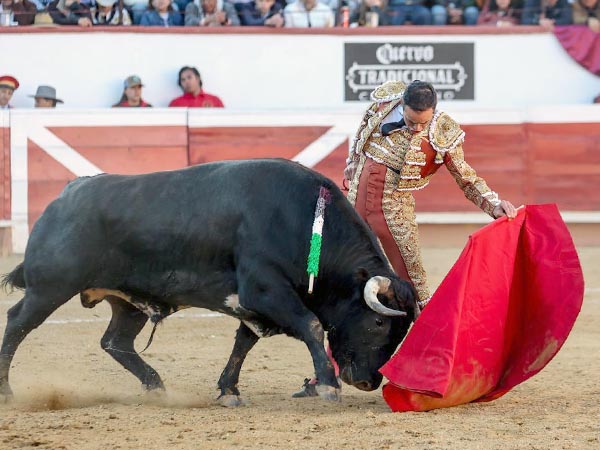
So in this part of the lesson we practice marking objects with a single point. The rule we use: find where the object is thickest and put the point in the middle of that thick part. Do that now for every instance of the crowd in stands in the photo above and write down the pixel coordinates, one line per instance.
(188, 79)
(299, 13)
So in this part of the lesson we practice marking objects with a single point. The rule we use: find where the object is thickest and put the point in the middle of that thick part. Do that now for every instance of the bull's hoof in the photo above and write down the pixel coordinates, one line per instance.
(156, 395)
(6, 394)
(329, 393)
(154, 386)
(230, 400)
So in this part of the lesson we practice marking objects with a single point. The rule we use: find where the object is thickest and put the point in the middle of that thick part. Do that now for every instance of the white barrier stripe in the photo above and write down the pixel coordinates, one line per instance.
(347, 120)
(320, 149)
(63, 153)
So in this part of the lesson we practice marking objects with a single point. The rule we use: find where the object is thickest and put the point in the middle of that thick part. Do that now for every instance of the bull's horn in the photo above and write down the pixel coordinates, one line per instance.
(381, 285)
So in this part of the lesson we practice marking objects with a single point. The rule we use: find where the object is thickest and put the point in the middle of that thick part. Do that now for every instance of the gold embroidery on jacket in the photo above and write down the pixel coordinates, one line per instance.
(353, 189)
(445, 134)
(387, 150)
(474, 187)
(399, 212)
(371, 124)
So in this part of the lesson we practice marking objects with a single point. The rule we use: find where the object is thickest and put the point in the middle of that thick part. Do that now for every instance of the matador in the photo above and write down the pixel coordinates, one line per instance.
(389, 160)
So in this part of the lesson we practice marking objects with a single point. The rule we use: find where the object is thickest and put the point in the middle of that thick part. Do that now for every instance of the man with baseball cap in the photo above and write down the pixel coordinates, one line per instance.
(45, 97)
(8, 85)
(132, 94)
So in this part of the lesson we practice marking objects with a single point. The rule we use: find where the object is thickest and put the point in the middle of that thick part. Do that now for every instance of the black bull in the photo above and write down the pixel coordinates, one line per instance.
(231, 237)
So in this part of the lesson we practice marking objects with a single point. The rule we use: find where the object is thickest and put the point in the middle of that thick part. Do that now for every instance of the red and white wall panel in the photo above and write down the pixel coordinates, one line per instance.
(527, 156)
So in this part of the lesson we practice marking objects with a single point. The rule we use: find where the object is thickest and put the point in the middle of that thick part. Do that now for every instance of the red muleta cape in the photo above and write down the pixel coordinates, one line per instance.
(500, 315)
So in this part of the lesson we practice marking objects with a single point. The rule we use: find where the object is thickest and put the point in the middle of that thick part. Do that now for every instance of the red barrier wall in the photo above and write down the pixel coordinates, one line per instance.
(223, 143)
(526, 163)
(129, 150)
(4, 172)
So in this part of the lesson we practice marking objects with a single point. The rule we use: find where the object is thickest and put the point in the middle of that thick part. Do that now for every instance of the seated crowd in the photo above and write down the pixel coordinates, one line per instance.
(188, 79)
(302, 13)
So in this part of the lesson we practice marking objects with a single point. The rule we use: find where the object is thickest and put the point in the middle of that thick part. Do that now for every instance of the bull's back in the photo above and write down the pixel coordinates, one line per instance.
(207, 207)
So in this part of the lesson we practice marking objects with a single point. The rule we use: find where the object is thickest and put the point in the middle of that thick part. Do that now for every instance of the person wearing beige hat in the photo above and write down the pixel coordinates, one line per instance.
(110, 12)
(132, 94)
(45, 97)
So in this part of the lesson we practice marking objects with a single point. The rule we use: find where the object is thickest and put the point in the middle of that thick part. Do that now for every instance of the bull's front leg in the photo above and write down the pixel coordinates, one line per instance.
(327, 386)
(244, 341)
(284, 308)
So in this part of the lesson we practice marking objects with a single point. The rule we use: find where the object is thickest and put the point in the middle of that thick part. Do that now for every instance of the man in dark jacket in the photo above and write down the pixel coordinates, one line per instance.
(70, 12)
(553, 12)
(260, 13)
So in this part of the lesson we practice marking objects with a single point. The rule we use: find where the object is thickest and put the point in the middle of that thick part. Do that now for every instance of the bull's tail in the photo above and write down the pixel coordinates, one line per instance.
(14, 279)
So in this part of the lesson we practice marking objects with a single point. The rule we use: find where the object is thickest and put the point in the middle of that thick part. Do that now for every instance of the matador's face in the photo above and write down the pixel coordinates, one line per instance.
(417, 121)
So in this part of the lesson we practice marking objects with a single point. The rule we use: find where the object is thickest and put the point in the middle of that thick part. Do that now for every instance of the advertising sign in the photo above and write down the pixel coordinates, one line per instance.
(449, 67)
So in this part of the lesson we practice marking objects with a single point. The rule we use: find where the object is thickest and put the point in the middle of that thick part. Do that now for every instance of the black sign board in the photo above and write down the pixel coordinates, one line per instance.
(449, 67)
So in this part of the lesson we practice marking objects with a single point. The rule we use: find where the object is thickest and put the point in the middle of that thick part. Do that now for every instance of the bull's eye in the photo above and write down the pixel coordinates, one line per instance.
(379, 322)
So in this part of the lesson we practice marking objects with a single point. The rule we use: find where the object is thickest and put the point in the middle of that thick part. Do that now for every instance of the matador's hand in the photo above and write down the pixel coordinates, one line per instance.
(505, 208)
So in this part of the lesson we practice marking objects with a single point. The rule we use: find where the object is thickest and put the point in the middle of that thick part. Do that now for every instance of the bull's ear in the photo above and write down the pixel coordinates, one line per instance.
(362, 275)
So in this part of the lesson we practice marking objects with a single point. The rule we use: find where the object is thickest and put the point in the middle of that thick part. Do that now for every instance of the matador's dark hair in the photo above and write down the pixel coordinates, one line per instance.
(420, 96)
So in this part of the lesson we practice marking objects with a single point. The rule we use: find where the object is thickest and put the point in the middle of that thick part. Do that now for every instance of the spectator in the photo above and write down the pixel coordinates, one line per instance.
(455, 12)
(110, 12)
(261, 13)
(8, 85)
(414, 11)
(499, 12)
(160, 13)
(371, 13)
(307, 14)
(210, 13)
(132, 94)
(23, 10)
(41, 5)
(136, 9)
(180, 5)
(239, 3)
(547, 13)
(597, 99)
(45, 97)
(587, 12)
(70, 12)
(193, 96)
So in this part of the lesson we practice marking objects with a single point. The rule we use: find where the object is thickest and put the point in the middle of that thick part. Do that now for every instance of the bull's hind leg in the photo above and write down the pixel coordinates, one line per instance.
(22, 318)
(244, 341)
(118, 341)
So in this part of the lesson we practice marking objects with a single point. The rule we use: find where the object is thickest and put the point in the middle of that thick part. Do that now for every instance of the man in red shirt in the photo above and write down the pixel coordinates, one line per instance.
(194, 96)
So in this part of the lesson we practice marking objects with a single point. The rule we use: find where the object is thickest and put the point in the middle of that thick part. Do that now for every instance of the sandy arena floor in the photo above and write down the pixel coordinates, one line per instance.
(69, 394)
